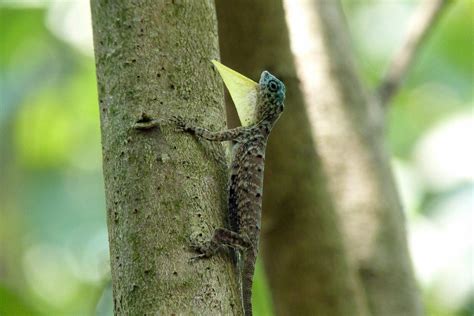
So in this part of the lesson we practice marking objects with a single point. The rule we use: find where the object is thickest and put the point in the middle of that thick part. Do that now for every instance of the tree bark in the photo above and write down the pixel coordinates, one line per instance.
(153, 57)
(302, 246)
(348, 127)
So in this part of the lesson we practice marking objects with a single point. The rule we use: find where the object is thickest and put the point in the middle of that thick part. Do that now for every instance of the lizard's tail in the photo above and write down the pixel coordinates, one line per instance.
(247, 280)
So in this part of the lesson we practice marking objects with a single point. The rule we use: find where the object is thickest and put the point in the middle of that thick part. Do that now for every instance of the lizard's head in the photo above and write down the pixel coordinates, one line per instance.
(272, 93)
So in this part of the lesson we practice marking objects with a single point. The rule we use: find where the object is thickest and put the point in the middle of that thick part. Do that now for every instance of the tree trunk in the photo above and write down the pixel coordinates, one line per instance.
(302, 246)
(153, 57)
(348, 129)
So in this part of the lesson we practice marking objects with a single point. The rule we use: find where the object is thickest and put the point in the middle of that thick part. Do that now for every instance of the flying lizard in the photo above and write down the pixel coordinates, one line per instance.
(259, 105)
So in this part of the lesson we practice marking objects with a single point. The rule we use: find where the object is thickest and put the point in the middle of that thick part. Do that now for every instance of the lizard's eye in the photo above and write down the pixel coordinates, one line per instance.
(273, 86)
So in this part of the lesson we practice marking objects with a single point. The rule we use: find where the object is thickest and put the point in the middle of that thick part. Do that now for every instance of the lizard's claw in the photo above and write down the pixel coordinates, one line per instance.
(198, 257)
(203, 249)
(179, 123)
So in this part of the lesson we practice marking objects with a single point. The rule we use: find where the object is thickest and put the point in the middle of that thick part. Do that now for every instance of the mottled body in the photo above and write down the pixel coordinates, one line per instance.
(246, 180)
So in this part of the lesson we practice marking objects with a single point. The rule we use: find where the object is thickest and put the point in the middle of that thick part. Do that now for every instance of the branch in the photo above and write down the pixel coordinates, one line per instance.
(422, 22)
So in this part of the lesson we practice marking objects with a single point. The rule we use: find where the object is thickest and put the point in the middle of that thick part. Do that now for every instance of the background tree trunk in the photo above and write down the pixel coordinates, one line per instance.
(348, 128)
(302, 249)
(153, 57)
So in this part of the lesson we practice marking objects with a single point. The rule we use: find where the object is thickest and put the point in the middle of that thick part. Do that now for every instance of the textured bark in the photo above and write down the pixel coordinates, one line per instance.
(348, 128)
(153, 57)
(302, 247)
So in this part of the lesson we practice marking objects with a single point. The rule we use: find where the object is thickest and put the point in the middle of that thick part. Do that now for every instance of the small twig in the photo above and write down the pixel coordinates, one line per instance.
(146, 125)
(145, 122)
(421, 24)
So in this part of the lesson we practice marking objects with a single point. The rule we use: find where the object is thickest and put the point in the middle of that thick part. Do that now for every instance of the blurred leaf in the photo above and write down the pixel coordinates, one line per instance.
(65, 119)
(19, 28)
(416, 110)
(262, 304)
(447, 56)
(13, 304)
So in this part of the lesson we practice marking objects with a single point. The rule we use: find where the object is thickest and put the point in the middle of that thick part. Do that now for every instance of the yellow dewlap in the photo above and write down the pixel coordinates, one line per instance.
(243, 92)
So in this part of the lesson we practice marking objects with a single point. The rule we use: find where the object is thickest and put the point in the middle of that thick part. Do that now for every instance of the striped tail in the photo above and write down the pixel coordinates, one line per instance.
(247, 279)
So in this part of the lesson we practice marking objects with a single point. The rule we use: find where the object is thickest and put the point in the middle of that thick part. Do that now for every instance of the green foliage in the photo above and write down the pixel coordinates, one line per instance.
(13, 304)
(53, 232)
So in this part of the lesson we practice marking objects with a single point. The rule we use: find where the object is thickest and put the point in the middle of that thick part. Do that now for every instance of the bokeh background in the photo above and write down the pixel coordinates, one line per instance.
(53, 235)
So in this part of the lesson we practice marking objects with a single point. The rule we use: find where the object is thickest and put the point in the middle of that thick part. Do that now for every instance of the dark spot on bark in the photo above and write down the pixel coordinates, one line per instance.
(158, 75)
(258, 195)
(134, 60)
(172, 87)
(138, 77)
(175, 273)
(135, 211)
(259, 156)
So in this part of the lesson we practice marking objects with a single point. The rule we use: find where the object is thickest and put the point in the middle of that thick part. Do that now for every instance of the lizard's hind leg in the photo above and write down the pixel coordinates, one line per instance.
(222, 237)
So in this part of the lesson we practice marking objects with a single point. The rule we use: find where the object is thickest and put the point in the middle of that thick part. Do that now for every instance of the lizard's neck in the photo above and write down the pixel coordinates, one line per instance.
(269, 110)
(265, 127)
(267, 121)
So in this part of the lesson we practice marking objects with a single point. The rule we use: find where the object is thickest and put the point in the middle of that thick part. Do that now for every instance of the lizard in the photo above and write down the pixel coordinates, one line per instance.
(246, 180)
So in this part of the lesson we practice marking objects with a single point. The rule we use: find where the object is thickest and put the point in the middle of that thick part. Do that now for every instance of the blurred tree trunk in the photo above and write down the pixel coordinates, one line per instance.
(348, 128)
(302, 247)
(153, 57)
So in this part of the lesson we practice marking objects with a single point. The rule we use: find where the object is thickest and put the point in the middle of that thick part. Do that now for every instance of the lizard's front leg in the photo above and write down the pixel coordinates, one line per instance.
(230, 134)
(222, 237)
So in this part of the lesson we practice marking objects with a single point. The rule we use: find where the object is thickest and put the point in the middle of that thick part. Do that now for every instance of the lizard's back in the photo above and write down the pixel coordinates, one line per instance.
(246, 183)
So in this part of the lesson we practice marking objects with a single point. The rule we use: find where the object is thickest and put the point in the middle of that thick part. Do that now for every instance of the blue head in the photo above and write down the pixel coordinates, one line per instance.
(271, 97)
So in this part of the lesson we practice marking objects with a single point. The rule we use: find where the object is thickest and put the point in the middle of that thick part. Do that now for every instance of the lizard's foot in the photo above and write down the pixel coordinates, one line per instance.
(180, 123)
(222, 238)
(204, 248)
(198, 257)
